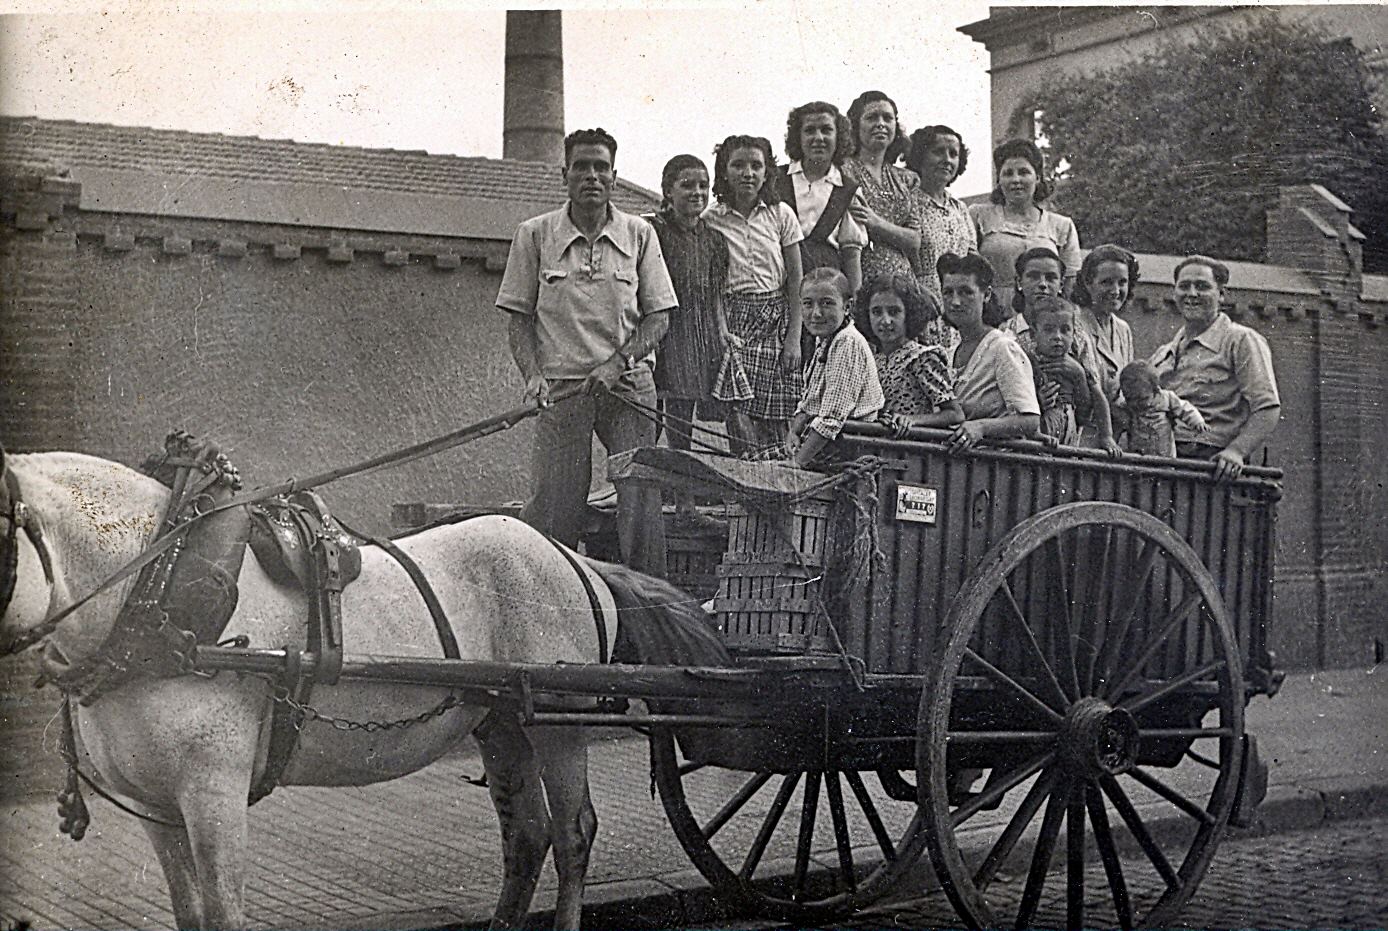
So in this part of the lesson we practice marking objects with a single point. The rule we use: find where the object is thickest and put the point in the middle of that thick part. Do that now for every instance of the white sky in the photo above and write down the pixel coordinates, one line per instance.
(664, 78)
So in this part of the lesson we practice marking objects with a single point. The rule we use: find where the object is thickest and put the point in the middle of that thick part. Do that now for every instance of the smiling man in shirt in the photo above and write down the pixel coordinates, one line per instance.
(1223, 368)
(587, 292)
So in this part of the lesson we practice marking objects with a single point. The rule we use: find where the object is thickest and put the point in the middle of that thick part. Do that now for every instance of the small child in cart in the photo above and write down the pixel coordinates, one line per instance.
(841, 380)
(1147, 413)
(1066, 388)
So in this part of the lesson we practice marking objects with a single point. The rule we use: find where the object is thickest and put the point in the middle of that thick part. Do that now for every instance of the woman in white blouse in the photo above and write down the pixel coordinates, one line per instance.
(1016, 221)
(992, 375)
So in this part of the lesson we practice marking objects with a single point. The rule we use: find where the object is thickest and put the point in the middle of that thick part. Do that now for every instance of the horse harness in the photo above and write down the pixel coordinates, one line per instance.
(187, 594)
(19, 516)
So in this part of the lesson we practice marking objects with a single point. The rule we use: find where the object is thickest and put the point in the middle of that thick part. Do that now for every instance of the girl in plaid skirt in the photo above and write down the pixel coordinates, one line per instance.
(760, 378)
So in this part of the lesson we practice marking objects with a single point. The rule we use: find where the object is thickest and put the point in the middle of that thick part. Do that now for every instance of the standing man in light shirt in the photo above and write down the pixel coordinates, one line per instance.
(1222, 367)
(587, 292)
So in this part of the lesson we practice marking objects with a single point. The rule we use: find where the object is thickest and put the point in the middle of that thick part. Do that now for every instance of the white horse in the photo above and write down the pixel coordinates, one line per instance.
(187, 749)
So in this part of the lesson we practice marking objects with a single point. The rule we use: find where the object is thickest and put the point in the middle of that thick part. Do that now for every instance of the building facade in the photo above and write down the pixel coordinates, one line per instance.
(1027, 44)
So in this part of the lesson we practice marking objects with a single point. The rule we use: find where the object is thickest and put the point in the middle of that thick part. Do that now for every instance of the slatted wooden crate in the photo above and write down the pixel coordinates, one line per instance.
(771, 578)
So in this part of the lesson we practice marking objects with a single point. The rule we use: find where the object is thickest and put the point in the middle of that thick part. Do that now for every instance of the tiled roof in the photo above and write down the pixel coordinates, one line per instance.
(173, 172)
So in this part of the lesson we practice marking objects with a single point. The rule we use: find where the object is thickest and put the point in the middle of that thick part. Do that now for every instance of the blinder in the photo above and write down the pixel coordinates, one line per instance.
(18, 515)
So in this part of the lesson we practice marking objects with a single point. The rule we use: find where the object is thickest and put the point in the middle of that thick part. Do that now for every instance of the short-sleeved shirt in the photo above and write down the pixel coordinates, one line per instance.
(1001, 239)
(811, 197)
(997, 379)
(587, 297)
(1226, 372)
(756, 262)
(841, 383)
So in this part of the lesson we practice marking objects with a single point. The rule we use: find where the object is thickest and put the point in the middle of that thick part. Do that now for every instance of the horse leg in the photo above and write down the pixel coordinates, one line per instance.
(513, 780)
(175, 855)
(563, 755)
(217, 826)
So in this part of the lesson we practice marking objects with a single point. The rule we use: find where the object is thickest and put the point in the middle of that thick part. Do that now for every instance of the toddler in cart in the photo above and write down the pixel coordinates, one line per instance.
(1066, 388)
(1147, 413)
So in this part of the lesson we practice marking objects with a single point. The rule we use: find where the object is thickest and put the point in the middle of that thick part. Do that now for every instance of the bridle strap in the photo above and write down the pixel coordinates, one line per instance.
(467, 434)
(20, 515)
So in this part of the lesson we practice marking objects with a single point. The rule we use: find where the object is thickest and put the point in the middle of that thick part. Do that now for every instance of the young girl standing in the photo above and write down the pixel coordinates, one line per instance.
(760, 377)
(697, 257)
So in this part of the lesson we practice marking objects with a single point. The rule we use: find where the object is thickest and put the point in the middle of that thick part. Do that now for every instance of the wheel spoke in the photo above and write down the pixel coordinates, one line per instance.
(841, 839)
(1171, 795)
(884, 840)
(1074, 857)
(1041, 860)
(983, 737)
(1016, 827)
(1138, 702)
(1027, 695)
(1172, 621)
(993, 792)
(1113, 643)
(1061, 576)
(808, 809)
(1139, 830)
(1113, 866)
(1085, 656)
(686, 768)
(733, 805)
(768, 825)
(1031, 641)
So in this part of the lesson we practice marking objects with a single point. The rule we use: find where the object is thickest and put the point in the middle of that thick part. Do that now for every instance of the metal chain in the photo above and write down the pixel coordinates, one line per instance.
(309, 713)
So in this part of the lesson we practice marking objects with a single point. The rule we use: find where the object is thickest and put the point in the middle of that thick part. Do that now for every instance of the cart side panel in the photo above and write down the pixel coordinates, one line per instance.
(894, 624)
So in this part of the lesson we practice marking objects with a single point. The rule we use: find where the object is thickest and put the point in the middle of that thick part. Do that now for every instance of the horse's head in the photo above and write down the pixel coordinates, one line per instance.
(26, 566)
(67, 522)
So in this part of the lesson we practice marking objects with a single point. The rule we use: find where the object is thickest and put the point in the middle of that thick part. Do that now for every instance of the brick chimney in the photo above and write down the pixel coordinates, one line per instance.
(533, 120)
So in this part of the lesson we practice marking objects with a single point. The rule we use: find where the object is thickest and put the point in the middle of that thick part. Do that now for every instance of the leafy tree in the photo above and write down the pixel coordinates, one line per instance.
(1183, 149)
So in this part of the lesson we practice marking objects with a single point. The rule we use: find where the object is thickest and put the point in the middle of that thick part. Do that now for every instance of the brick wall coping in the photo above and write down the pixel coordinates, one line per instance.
(313, 205)
(151, 171)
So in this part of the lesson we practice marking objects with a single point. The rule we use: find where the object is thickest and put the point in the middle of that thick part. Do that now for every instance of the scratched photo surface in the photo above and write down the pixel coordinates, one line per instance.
(282, 227)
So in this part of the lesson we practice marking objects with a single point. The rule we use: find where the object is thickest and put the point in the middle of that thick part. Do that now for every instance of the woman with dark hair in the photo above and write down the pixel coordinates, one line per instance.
(992, 374)
(760, 378)
(1102, 288)
(1015, 220)
(687, 363)
(938, 156)
(817, 139)
(893, 311)
(886, 206)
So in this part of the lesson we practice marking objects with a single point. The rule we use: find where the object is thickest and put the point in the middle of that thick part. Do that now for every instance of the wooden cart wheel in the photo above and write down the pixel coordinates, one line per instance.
(756, 836)
(1088, 650)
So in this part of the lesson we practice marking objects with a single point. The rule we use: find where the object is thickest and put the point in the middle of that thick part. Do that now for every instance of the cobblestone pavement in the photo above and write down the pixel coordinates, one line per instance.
(1335, 876)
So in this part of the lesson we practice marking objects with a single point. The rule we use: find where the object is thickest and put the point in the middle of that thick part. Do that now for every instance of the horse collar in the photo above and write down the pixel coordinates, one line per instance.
(19, 516)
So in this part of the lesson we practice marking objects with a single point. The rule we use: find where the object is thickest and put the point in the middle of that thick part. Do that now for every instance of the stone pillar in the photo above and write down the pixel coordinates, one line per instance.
(1310, 229)
(533, 119)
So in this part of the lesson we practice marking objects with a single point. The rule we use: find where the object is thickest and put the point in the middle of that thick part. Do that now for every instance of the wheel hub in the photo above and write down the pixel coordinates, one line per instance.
(1099, 739)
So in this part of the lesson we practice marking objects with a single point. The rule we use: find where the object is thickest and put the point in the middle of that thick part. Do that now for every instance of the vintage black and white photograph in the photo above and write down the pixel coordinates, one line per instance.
(661, 464)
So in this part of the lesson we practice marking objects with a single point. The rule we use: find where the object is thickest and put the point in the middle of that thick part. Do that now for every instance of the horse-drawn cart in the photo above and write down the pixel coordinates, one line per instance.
(1070, 625)
(962, 655)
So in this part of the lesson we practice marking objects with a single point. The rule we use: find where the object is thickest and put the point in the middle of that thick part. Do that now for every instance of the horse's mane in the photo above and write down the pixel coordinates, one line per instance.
(657, 624)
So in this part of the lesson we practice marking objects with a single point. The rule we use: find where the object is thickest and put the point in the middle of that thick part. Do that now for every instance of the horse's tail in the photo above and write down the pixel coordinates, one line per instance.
(657, 624)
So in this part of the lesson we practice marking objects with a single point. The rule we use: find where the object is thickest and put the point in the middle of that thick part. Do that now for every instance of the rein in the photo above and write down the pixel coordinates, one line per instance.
(163, 544)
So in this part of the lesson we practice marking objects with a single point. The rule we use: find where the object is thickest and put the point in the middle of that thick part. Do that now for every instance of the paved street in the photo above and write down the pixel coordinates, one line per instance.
(1330, 877)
